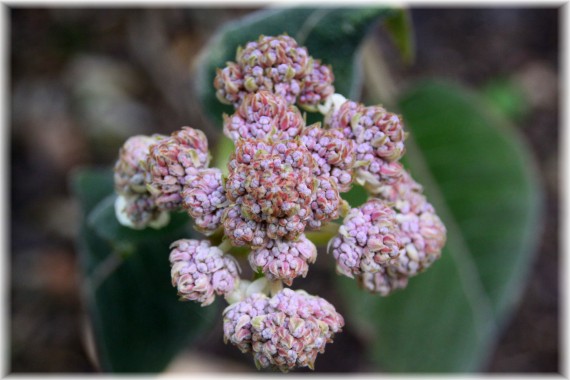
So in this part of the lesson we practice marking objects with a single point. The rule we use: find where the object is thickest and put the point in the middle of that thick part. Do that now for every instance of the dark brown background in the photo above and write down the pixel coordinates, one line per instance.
(83, 80)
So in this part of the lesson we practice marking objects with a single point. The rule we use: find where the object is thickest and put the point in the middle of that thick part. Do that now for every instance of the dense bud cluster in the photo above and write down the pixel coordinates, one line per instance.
(379, 137)
(284, 332)
(282, 189)
(334, 155)
(275, 64)
(317, 87)
(135, 206)
(200, 271)
(171, 161)
(422, 234)
(263, 114)
(368, 239)
(272, 182)
(204, 196)
(284, 259)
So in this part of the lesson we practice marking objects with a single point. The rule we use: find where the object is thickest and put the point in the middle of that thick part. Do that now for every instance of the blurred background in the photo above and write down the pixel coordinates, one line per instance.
(83, 80)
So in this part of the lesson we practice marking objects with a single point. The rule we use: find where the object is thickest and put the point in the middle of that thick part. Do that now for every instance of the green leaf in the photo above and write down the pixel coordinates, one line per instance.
(137, 320)
(480, 177)
(401, 30)
(507, 97)
(330, 34)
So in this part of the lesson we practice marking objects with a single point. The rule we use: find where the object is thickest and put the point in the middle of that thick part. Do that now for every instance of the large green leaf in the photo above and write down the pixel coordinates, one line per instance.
(138, 322)
(480, 177)
(330, 34)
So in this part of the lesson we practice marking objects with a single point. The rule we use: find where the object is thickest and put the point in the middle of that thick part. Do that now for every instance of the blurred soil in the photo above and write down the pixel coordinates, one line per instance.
(83, 80)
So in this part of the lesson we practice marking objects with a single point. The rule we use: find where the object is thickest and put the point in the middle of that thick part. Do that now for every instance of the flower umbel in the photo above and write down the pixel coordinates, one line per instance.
(280, 197)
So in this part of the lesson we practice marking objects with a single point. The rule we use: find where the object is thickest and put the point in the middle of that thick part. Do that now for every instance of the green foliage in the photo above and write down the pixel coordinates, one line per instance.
(330, 34)
(137, 320)
(507, 97)
(480, 177)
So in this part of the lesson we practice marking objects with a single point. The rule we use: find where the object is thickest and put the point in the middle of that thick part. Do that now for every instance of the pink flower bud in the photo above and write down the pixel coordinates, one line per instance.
(174, 161)
(379, 136)
(204, 197)
(334, 154)
(284, 260)
(264, 114)
(317, 86)
(368, 239)
(130, 168)
(201, 271)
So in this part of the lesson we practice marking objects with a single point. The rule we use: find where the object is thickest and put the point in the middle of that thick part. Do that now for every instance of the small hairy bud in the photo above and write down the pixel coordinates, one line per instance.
(242, 231)
(334, 154)
(284, 259)
(317, 87)
(326, 204)
(275, 64)
(367, 240)
(272, 182)
(383, 282)
(237, 320)
(204, 197)
(130, 168)
(379, 137)
(285, 332)
(229, 84)
(201, 271)
(139, 212)
(173, 162)
(264, 114)
(135, 207)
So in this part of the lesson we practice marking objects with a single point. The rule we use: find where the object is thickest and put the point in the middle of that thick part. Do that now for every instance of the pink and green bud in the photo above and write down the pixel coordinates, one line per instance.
(204, 197)
(383, 282)
(284, 260)
(317, 87)
(285, 332)
(200, 271)
(263, 114)
(368, 239)
(295, 331)
(334, 154)
(275, 64)
(379, 136)
(173, 162)
(241, 231)
(229, 84)
(238, 320)
(130, 169)
(326, 204)
(139, 211)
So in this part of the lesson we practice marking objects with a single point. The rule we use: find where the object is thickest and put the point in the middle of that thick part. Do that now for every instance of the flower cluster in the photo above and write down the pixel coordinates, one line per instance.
(283, 332)
(200, 270)
(379, 136)
(283, 187)
(367, 240)
(279, 65)
(135, 206)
